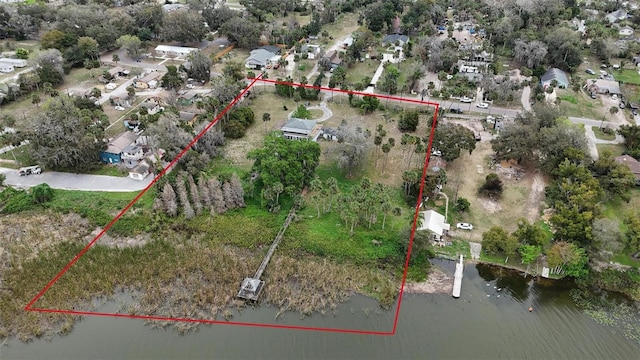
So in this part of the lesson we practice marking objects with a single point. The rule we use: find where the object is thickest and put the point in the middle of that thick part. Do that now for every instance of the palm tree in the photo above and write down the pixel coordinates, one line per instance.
(266, 117)
(115, 58)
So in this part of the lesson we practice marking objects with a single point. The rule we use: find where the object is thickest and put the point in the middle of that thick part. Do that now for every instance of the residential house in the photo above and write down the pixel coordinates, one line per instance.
(312, 51)
(580, 25)
(187, 117)
(557, 75)
(434, 222)
(19, 63)
(140, 171)
(261, 58)
(173, 7)
(187, 98)
(395, 39)
(6, 67)
(300, 129)
(632, 163)
(275, 50)
(132, 154)
(348, 41)
(153, 107)
(113, 153)
(334, 58)
(616, 16)
(602, 86)
(177, 51)
(149, 81)
(118, 71)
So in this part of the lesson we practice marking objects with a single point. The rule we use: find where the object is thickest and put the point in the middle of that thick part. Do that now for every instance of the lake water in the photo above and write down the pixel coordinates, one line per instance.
(430, 326)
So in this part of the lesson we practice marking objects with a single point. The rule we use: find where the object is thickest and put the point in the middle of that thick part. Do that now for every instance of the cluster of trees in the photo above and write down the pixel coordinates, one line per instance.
(238, 121)
(409, 121)
(286, 89)
(67, 134)
(284, 166)
(492, 187)
(353, 148)
(215, 195)
(540, 138)
(362, 204)
(631, 134)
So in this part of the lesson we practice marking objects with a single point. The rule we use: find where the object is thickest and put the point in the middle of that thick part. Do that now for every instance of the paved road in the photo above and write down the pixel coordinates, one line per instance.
(67, 181)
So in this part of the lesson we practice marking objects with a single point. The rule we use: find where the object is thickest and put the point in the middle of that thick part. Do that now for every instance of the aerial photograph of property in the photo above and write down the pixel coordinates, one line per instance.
(325, 179)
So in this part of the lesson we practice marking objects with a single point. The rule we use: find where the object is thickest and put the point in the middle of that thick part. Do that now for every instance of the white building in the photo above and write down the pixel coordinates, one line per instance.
(19, 63)
(179, 51)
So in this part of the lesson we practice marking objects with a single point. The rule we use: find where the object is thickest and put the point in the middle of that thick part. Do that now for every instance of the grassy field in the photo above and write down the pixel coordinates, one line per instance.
(580, 105)
(627, 76)
(602, 135)
(235, 55)
(616, 150)
(360, 71)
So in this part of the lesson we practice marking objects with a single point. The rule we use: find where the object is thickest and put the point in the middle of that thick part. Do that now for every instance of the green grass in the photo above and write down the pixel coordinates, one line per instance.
(360, 71)
(20, 155)
(110, 170)
(580, 104)
(627, 76)
(602, 135)
(616, 150)
(626, 259)
(457, 248)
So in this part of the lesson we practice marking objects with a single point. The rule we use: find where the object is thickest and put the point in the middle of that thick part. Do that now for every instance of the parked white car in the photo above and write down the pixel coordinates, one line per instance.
(436, 152)
(119, 108)
(482, 105)
(466, 100)
(464, 226)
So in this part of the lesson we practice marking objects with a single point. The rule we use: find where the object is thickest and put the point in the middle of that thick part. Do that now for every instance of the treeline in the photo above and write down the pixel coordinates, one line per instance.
(286, 89)
(215, 195)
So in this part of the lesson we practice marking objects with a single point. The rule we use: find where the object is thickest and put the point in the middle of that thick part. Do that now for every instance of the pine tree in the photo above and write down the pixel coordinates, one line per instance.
(169, 200)
(215, 194)
(184, 198)
(205, 194)
(195, 194)
(238, 190)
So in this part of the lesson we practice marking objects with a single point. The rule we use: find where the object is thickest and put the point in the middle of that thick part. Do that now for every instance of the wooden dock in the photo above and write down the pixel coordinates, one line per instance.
(457, 278)
(251, 287)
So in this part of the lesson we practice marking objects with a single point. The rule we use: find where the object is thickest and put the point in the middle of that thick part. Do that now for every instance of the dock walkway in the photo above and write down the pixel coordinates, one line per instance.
(457, 278)
(251, 287)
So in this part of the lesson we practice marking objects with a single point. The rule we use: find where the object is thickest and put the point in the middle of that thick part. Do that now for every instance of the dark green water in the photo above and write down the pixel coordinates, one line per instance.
(430, 327)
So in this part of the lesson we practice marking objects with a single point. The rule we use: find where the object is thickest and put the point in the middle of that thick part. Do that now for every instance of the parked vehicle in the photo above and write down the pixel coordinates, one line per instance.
(464, 226)
(594, 95)
(119, 108)
(436, 152)
(482, 105)
(466, 100)
(456, 110)
(30, 170)
(590, 72)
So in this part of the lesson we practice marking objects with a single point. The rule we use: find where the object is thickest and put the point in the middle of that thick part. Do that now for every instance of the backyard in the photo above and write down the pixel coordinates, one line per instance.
(581, 105)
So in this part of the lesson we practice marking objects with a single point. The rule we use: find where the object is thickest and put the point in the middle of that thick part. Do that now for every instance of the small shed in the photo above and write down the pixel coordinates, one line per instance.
(434, 222)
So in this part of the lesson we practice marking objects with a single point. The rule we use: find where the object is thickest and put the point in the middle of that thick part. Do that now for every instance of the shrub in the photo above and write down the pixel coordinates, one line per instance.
(409, 121)
(492, 187)
(462, 205)
(302, 112)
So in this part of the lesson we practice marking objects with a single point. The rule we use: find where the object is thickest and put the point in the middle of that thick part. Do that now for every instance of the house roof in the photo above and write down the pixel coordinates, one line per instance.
(121, 142)
(632, 163)
(434, 222)
(186, 116)
(259, 56)
(141, 169)
(116, 70)
(555, 74)
(616, 15)
(151, 76)
(299, 126)
(175, 49)
(271, 48)
(392, 38)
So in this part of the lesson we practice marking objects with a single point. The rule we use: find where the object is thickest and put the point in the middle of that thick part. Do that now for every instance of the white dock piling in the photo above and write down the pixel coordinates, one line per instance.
(457, 278)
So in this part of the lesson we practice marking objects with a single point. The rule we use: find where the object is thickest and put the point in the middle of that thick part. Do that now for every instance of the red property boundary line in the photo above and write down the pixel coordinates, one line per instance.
(29, 306)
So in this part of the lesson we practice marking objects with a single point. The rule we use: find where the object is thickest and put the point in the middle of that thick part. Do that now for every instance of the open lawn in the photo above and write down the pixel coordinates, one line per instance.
(360, 71)
(342, 27)
(235, 55)
(627, 76)
(520, 199)
(580, 104)
(602, 135)
(616, 150)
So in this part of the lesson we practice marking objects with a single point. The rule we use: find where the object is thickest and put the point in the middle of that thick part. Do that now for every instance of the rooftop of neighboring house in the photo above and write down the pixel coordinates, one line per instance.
(121, 142)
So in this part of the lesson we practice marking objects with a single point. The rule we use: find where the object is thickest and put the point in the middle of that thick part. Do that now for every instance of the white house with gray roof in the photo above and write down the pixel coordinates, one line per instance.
(260, 58)
(557, 75)
(301, 129)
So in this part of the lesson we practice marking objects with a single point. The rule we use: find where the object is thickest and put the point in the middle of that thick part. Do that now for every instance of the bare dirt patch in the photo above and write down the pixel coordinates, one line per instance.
(437, 283)
(118, 242)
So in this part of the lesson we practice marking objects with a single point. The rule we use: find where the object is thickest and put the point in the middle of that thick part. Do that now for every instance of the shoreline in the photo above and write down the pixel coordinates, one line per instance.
(438, 282)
